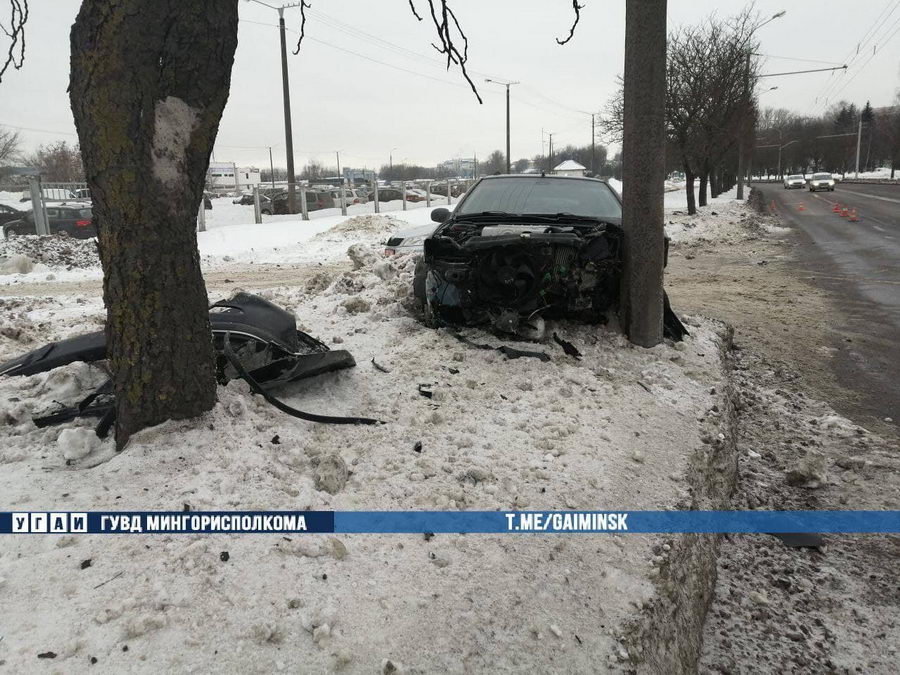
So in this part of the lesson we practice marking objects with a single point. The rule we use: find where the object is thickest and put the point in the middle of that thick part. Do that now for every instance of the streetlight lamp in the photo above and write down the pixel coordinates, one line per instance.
(507, 85)
(740, 171)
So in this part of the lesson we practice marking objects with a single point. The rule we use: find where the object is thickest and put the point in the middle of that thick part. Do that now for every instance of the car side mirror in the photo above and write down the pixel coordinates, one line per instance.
(440, 214)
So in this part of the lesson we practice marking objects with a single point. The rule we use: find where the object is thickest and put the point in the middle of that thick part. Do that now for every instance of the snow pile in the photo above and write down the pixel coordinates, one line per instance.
(611, 430)
(53, 252)
(729, 222)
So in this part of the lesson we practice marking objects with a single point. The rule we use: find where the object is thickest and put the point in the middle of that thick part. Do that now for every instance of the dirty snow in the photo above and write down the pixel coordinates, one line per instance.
(615, 428)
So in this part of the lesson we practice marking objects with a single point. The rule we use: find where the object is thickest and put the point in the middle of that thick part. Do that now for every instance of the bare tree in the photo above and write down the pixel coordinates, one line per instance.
(58, 162)
(10, 146)
(149, 81)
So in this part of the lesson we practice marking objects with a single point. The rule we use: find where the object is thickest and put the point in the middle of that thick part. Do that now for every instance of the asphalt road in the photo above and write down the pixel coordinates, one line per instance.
(858, 264)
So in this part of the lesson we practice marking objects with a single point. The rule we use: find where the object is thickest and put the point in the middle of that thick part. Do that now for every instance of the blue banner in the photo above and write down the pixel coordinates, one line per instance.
(411, 522)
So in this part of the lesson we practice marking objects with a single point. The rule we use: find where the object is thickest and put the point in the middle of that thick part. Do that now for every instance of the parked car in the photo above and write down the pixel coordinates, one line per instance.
(277, 203)
(410, 239)
(72, 220)
(520, 249)
(836, 177)
(821, 181)
(794, 182)
(386, 195)
(245, 199)
(352, 196)
(8, 213)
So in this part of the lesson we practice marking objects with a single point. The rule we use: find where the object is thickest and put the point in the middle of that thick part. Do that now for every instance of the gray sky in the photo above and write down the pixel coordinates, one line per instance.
(367, 80)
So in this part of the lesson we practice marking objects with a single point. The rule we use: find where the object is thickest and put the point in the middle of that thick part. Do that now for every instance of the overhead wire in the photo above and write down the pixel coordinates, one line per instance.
(834, 84)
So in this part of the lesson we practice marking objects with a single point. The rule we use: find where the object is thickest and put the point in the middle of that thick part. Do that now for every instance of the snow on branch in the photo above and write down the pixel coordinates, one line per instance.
(15, 55)
(577, 9)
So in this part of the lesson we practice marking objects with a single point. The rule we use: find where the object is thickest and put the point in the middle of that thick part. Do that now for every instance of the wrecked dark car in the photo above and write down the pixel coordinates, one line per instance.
(521, 249)
(254, 339)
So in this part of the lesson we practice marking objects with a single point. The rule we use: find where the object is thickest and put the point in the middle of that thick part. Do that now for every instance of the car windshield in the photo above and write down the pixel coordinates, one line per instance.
(545, 196)
(822, 176)
(795, 178)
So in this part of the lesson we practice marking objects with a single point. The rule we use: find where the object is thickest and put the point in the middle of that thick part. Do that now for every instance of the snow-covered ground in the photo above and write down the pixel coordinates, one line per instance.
(618, 427)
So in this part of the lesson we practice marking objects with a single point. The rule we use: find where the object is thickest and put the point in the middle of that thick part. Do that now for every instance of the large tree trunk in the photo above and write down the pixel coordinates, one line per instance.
(148, 85)
(704, 182)
(644, 170)
(689, 190)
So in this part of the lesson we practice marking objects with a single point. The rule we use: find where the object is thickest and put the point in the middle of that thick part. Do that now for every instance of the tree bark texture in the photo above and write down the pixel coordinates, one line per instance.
(704, 184)
(149, 81)
(644, 169)
(689, 177)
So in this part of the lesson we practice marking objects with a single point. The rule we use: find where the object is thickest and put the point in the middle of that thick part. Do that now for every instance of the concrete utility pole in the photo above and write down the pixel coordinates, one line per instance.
(272, 169)
(286, 92)
(507, 85)
(593, 143)
(343, 200)
(550, 155)
(858, 143)
(643, 171)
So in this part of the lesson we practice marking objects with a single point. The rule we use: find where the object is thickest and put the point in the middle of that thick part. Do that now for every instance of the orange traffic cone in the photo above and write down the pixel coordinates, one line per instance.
(772, 208)
(853, 218)
(836, 208)
(845, 212)
(802, 207)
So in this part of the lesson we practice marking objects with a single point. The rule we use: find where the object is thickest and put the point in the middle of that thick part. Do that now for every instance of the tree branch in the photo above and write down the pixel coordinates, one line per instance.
(303, 7)
(577, 9)
(445, 22)
(15, 55)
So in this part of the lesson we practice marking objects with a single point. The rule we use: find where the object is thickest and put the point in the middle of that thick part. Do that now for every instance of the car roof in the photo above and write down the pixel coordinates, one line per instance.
(536, 176)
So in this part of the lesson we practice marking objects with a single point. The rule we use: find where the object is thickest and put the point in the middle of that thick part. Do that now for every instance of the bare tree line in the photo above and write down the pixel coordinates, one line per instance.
(710, 106)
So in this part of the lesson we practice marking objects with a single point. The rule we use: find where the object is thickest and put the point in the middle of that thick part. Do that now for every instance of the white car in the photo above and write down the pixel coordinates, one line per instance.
(795, 181)
(409, 240)
(821, 181)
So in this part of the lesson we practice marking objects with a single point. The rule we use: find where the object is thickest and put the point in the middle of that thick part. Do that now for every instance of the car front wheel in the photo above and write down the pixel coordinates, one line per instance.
(11, 232)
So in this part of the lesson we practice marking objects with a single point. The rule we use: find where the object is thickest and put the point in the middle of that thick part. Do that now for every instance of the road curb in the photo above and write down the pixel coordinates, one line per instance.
(667, 636)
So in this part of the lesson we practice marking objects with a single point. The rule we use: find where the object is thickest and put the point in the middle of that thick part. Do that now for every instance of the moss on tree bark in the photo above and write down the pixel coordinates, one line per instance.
(149, 82)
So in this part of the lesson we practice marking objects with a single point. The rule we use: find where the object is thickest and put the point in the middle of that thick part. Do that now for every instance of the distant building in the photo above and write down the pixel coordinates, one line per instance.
(569, 168)
(229, 176)
(359, 176)
(459, 167)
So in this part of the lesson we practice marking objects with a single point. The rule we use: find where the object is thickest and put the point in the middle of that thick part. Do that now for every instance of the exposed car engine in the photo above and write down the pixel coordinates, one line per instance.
(514, 275)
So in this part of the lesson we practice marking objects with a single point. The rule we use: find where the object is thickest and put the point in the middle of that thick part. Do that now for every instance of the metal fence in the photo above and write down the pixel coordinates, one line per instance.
(268, 198)
(271, 199)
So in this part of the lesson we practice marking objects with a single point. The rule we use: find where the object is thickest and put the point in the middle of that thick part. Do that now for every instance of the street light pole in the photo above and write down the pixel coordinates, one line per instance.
(507, 85)
(272, 169)
(740, 171)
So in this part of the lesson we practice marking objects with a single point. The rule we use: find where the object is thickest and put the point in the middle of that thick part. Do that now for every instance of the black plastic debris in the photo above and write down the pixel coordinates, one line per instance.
(86, 563)
(224, 556)
(276, 440)
(508, 352)
(417, 447)
(567, 346)
(266, 350)
(800, 539)
(47, 655)
(425, 390)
